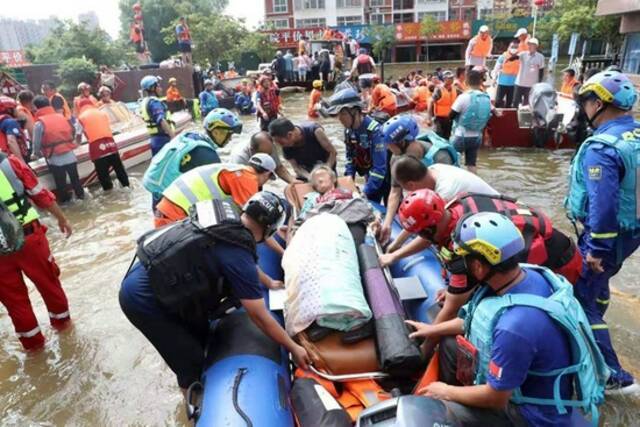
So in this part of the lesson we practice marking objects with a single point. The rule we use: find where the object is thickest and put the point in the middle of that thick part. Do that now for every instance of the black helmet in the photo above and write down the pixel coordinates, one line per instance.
(346, 98)
(268, 210)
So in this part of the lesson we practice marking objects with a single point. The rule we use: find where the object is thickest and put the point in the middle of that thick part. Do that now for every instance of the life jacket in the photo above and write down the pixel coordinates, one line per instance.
(165, 165)
(359, 146)
(481, 48)
(13, 193)
(97, 128)
(421, 98)
(152, 127)
(315, 97)
(442, 107)
(199, 184)
(477, 115)
(567, 88)
(57, 137)
(135, 34)
(384, 98)
(364, 64)
(21, 138)
(438, 144)
(588, 367)
(185, 34)
(628, 148)
(79, 99)
(510, 68)
(174, 259)
(523, 46)
(269, 101)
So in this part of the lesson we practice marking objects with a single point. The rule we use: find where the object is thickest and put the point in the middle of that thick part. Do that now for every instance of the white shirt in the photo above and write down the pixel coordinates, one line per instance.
(452, 180)
(241, 153)
(530, 66)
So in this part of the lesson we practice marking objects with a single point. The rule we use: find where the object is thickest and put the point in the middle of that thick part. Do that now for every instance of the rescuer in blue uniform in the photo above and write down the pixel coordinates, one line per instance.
(603, 196)
(365, 149)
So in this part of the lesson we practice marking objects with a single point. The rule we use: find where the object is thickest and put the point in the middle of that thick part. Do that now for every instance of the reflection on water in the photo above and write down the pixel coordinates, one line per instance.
(104, 373)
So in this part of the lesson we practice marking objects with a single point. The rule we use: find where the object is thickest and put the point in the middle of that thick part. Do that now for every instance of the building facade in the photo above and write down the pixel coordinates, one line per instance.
(15, 35)
(629, 11)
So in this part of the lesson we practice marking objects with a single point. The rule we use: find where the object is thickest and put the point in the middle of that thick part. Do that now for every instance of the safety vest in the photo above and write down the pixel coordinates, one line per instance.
(588, 368)
(364, 64)
(175, 259)
(199, 184)
(421, 98)
(534, 225)
(13, 194)
(57, 137)
(95, 124)
(477, 115)
(438, 144)
(510, 68)
(443, 105)
(152, 127)
(481, 48)
(628, 148)
(269, 102)
(165, 165)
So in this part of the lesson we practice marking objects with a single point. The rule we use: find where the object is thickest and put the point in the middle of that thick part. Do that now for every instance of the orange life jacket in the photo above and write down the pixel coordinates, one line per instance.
(510, 68)
(57, 137)
(97, 128)
(383, 98)
(481, 48)
(135, 34)
(315, 97)
(185, 34)
(78, 99)
(567, 88)
(523, 46)
(442, 107)
(421, 98)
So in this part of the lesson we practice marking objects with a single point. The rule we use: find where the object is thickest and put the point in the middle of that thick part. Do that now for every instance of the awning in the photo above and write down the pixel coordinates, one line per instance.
(617, 7)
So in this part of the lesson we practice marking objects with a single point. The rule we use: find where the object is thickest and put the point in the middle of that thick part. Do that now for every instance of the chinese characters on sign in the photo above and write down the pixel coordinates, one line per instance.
(449, 30)
(13, 58)
(289, 38)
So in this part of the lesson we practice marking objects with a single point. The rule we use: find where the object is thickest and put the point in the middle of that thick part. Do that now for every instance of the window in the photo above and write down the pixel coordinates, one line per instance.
(348, 3)
(440, 15)
(349, 20)
(280, 6)
(431, 1)
(278, 24)
(403, 4)
(309, 4)
(376, 19)
(631, 62)
(402, 17)
(311, 23)
(374, 3)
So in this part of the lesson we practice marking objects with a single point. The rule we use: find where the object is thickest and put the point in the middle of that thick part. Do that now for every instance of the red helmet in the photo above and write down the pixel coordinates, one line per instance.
(7, 104)
(421, 209)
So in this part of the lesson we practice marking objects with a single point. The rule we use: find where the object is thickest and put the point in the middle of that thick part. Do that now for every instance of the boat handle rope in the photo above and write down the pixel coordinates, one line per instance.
(193, 410)
(349, 377)
(236, 405)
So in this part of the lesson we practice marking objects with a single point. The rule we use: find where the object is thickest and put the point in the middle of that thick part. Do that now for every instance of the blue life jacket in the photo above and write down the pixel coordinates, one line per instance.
(628, 148)
(589, 370)
(165, 166)
(208, 102)
(437, 143)
(477, 115)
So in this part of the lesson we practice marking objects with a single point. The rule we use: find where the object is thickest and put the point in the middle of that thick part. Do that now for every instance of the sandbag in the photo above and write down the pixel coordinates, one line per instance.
(322, 278)
(314, 406)
(398, 355)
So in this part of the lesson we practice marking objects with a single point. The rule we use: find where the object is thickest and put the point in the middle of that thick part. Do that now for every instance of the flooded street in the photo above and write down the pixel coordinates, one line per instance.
(103, 372)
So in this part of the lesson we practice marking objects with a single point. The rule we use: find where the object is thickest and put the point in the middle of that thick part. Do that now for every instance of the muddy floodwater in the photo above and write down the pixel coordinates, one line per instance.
(103, 372)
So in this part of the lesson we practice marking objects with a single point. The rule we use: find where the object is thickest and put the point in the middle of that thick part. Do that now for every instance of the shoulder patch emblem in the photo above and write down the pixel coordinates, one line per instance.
(595, 173)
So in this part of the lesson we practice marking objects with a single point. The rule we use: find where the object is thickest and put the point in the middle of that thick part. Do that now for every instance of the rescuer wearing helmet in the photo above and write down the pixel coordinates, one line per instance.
(12, 138)
(603, 196)
(155, 114)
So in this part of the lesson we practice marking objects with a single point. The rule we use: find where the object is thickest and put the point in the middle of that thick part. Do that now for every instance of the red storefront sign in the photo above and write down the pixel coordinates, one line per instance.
(290, 38)
(449, 30)
(13, 58)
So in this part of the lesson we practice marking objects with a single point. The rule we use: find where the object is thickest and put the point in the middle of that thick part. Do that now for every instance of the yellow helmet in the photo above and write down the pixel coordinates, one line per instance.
(317, 84)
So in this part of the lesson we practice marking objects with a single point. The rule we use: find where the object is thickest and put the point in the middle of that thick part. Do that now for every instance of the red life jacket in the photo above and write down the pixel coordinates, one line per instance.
(22, 140)
(57, 137)
(534, 225)
(364, 64)
(269, 101)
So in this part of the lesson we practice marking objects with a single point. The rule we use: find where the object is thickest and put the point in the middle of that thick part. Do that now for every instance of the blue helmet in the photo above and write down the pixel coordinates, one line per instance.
(490, 235)
(611, 87)
(400, 128)
(149, 82)
(221, 118)
(345, 98)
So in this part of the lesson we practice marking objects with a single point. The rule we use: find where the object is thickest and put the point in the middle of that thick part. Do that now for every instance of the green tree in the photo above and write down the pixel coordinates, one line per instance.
(429, 27)
(72, 71)
(259, 44)
(384, 38)
(69, 40)
(159, 14)
(578, 16)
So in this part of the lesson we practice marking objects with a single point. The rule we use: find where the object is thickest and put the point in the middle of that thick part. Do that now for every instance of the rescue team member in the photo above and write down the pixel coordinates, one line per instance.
(190, 150)
(530, 72)
(208, 99)
(363, 64)
(12, 140)
(267, 102)
(175, 318)
(260, 142)
(522, 36)
(84, 94)
(314, 98)
(304, 146)
(173, 93)
(19, 189)
(518, 351)
(421, 96)
(243, 99)
(440, 107)
(569, 81)
(505, 73)
(104, 93)
(470, 114)
(603, 192)
(184, 40)
(479, 48)
(410, 174)
(103, 150)
(382, 97)
(24, 112)
(424, 213)
(155, 114)
(54, 138)
(366, 153)
(58, 102)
